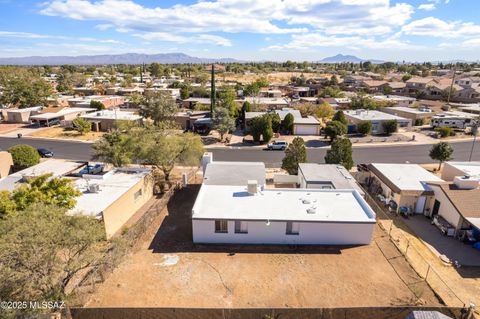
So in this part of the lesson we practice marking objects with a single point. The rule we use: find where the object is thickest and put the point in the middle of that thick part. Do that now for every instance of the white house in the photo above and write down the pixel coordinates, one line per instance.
(452, 169)
(376, 117)
(253, 215)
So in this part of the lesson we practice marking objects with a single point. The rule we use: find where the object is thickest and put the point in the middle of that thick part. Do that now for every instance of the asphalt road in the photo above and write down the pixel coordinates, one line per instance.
(381, 154)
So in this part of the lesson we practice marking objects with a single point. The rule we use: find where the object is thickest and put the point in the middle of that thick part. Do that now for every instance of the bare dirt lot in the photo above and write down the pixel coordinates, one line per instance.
(169, 271)
(60, 132)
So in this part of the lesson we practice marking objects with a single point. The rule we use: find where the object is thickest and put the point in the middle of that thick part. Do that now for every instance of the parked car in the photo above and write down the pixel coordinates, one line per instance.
(44, 152)
(278, 145)
(92, 169)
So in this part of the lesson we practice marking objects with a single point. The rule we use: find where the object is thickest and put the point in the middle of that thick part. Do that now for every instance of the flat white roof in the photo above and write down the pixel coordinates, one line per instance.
(306, 120)
(469, 168)
(112, 115)
(372, 115)
(112, 186)
(235, 203)
(234, 173)
(393, 98)
(407, 176)
(62, 112)
(57, 167)
(410, 110)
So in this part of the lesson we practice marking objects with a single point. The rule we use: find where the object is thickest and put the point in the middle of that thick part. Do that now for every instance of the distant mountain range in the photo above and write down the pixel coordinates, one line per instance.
(340, 58)
(127, 58)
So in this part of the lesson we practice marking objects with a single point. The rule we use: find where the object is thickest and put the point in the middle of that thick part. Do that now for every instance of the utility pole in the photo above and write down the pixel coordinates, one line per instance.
(212, 91)
(451, 84)
(474, 131)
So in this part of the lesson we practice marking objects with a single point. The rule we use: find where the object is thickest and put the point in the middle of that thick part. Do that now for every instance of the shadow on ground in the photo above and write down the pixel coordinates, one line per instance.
(175, 234)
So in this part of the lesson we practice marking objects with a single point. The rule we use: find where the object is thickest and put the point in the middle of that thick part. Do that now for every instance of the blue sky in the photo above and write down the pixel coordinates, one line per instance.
(396, 30)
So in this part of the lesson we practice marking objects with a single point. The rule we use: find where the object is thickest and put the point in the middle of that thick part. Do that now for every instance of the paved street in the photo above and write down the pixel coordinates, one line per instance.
(383, 154)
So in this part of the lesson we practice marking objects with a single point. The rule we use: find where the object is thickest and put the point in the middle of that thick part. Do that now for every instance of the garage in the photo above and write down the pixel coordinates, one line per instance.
(306, 126)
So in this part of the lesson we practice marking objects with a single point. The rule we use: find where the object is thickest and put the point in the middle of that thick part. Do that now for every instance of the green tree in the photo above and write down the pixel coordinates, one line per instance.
(135, 100)
(222, 122)
(267, 133)
(275, 121)
(334, 129)
(325, 111)
(227, 100)
(406, 77)
(362, 102)
(159, 107)
(117, 147)
(340, 153)
(97, 105)
(364, 127)
(307, 109)
(23, 87)
(47, 190)
(295, 154)
(287, 123)
(42, 250)
(156, 69)
(82, 125)
(24, 156)
(256, 127)
(340, 117)
(444, 131)
(441, 152)
(390, 126)
(330, 92)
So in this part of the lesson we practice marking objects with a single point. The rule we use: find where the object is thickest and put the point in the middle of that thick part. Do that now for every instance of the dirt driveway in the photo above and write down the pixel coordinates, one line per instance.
(170, 271)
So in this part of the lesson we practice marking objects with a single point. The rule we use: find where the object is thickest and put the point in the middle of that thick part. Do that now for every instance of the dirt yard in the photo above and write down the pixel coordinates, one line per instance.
(169, 271)
(60, 132)
(275, 77)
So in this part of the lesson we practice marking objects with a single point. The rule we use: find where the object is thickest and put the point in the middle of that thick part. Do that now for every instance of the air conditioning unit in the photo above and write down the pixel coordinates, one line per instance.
(93, 188)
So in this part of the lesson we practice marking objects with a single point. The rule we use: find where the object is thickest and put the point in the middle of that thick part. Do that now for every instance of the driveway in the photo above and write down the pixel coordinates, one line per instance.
(465, 254)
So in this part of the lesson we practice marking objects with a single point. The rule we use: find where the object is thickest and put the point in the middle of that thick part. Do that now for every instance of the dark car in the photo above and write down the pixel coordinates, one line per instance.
(44, 152)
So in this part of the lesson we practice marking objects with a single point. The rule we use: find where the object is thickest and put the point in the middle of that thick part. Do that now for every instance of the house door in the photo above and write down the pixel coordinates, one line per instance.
(436, 207)
(420, 206)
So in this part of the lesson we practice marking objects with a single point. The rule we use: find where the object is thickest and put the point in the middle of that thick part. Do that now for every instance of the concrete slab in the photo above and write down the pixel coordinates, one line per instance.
(465, 254)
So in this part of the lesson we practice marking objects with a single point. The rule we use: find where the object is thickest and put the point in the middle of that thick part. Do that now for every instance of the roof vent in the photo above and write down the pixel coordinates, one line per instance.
(93, 188)
(311, 210)
(306, 201)
(252, 187)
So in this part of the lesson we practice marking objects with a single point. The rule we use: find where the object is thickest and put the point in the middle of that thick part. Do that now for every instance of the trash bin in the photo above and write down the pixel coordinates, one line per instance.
(19, 135)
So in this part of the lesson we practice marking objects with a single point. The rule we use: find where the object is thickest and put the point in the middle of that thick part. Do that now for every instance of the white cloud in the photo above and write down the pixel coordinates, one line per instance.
(33, 36)
(372, 17)
(435, 27)
(427, 6)
(104, 26)
(316, 40)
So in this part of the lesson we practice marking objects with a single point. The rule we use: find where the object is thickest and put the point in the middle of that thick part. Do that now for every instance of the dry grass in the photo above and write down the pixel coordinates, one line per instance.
(275, 77)
(59, 132)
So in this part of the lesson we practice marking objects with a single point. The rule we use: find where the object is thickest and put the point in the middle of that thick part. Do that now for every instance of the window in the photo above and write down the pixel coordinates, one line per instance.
(137, 194)
(221, 226)
(241, 227)
(293, 228)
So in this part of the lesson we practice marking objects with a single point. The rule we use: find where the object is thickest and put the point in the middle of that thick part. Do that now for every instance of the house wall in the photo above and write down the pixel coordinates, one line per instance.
(117, 214)
(315, 129)
(275, 233)
(6, 163)
(449, 172)
(447, 210)
(18, 117)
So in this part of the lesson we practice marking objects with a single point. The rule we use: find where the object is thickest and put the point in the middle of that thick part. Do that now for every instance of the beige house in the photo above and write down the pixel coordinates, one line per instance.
(6, 163)
(405, 184)
(21, 115)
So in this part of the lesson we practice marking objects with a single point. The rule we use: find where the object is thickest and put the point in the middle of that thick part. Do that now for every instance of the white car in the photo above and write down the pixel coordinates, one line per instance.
(277, 145)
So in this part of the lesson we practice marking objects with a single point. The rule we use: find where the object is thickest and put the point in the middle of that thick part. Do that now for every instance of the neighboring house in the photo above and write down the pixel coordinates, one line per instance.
(373, 85)
(6, 163)
(397, 100)
(186, 119)
(301, 125)
(65, 116)
(377, 118)
(458, 203)
(397, 87)
(266, 102)
(112, 197)
(472, 108)
(405, 184)
(269, 93)
(106, 120)
(172, 92)
(326, 176)
(452, 169)
(302, 91)
(413, 114)
(453, 119)
(21, 115)
(191, 102)
(249, 214)
(416, 84)
(109, 101)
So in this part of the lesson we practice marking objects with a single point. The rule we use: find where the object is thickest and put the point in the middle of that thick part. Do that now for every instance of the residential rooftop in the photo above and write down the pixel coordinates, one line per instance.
(112, 115)
(404, 177)
(234, 173)
(469, 168)
(372, 115)
(305, 205)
